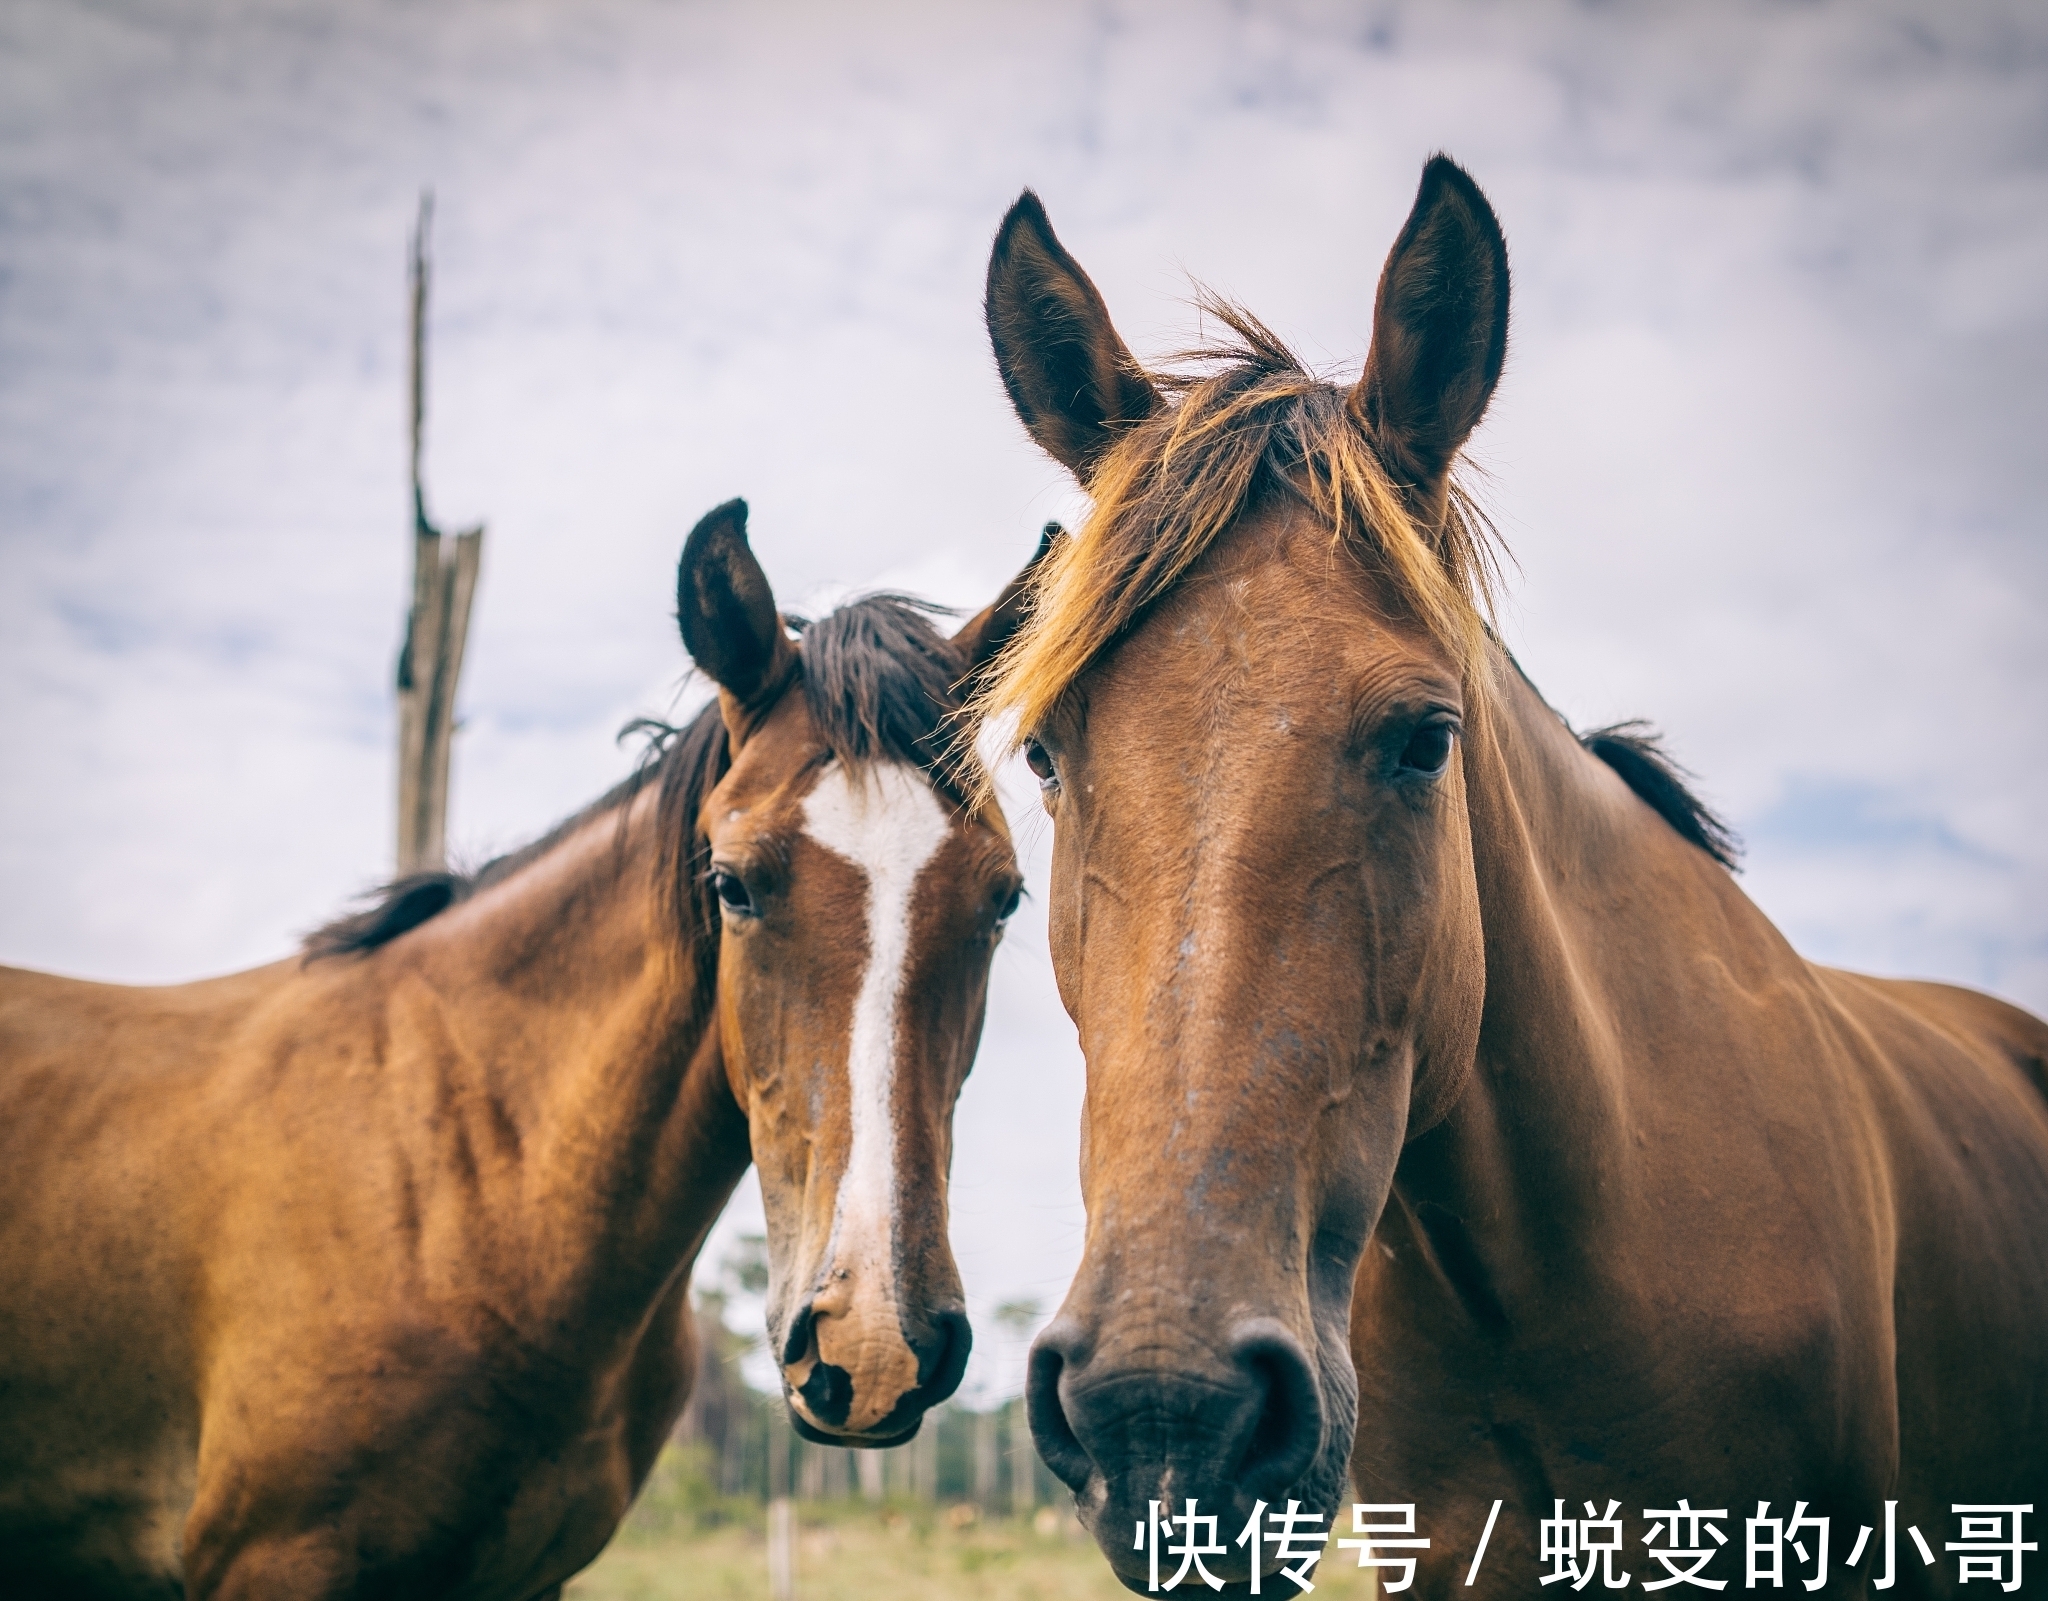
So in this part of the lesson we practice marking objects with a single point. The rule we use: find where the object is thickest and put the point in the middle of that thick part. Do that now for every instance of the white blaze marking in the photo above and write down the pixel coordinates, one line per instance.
(889, 825)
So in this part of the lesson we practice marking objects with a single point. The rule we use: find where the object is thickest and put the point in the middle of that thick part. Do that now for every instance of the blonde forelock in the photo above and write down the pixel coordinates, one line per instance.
(1243, 420)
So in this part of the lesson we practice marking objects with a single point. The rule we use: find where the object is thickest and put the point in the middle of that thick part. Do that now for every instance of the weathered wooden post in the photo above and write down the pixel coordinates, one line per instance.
(444, 574)
(1023, 1458)
(985, 1463)
(781, 1515)
(924, 1456)
(1017, 1319)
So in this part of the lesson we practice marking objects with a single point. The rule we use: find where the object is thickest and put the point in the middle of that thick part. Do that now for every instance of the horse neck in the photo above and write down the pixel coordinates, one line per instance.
(1599, 922)
(575, 1083)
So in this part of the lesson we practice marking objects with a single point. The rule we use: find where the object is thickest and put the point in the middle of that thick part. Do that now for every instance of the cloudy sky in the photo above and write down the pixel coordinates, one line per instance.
(1769, 453)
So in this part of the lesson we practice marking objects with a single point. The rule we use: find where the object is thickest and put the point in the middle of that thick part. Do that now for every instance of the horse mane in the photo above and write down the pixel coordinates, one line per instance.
(1636, 752)
(879, 682)
(1244, 422)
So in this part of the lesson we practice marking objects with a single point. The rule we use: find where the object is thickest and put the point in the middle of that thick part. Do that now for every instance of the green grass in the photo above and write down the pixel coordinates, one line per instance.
(853, 1555)
(852, 1551)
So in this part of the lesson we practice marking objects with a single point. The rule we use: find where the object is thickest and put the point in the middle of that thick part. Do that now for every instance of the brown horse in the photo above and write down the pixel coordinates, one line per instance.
(367, 1274)
(1453, 1119)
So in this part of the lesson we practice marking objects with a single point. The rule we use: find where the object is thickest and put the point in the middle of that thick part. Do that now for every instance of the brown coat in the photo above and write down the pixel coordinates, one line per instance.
(368, 1275)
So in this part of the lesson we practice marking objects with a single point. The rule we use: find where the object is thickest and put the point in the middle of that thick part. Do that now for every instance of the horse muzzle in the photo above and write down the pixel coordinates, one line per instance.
(1228, 1433)
(857, 1373)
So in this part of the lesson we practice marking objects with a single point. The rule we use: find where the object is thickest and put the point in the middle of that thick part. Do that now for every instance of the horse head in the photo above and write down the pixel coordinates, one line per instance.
(1244, 686)
(860, 893)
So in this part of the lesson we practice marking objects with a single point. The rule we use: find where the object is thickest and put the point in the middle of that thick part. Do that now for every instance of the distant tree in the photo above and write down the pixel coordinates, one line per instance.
(746, 1264)
(1018, 1319)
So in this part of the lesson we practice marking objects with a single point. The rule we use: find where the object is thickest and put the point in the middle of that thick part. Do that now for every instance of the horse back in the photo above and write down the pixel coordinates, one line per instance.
(105, 1114)
(101, 1139)
(1961, 1074)
(1994, 1031)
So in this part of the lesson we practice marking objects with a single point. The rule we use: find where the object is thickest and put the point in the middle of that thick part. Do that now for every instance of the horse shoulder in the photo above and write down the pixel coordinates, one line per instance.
(383, 1231)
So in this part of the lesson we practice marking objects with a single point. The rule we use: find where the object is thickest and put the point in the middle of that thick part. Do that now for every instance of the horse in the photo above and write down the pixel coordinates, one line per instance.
(367, 1274)
(1453, 1120)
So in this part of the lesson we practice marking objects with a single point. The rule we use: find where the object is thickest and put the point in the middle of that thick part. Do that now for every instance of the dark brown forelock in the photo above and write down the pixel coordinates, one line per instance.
(881, 684)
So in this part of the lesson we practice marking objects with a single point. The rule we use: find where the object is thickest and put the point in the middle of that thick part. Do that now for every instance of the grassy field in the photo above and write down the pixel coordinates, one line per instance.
(851, 1551)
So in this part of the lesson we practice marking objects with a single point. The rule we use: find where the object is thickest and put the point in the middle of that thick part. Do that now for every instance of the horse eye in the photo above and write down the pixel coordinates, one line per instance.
(732, 892)
(1040, 762)
(1428, 750)
(1010, 902)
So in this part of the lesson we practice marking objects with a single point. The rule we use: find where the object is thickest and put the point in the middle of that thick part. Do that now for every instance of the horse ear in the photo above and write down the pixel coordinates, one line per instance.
(1439, 330)
(1070, 377)
(727, 611)
(989, 629)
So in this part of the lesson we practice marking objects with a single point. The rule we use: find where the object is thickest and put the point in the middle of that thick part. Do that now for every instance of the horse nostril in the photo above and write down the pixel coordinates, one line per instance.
(1287, 1429)
(942, 1356)
(797, 1344)
(1051, 1431)
(827, 1391)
